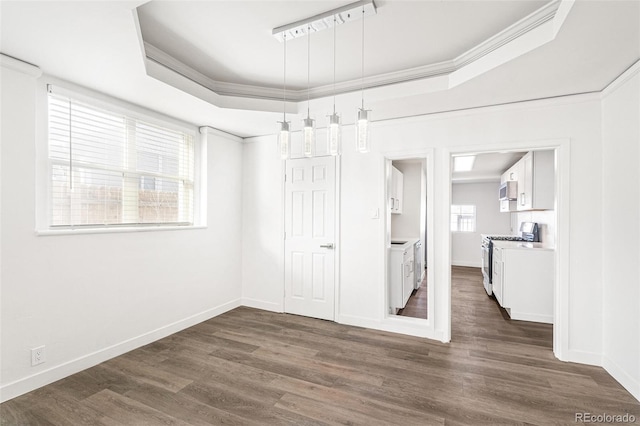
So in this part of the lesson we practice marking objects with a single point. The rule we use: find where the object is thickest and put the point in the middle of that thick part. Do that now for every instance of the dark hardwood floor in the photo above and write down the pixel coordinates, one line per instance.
(250, 367)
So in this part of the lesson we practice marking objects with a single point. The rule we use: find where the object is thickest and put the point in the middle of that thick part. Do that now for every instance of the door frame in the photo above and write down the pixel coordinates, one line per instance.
(337, 240)
(408, 325)
(563, 220)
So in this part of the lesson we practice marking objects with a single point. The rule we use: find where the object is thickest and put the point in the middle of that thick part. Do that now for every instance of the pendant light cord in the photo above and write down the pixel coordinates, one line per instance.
(284, 82)
(362, 74)
(308, 66)
(334, 64)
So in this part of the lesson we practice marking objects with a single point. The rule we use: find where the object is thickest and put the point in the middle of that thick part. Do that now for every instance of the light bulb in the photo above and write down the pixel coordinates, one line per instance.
(309, 136)
(283, 140)
(362, 131)
(334, 134)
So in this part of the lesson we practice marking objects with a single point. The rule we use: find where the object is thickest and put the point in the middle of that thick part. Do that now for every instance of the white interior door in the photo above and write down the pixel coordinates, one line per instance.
(310, 190)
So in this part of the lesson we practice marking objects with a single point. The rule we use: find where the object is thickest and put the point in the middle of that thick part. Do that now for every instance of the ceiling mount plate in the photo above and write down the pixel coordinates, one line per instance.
(323, 21)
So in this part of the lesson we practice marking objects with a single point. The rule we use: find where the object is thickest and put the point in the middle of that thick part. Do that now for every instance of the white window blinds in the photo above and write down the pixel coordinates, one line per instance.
(108, 168)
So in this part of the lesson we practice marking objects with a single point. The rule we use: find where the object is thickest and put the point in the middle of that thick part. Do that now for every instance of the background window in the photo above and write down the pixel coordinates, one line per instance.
(463, 218)
(109, 168)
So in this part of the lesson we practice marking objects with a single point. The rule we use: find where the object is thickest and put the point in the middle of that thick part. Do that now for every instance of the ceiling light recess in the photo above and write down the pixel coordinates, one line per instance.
(463, 163)
(323, 21)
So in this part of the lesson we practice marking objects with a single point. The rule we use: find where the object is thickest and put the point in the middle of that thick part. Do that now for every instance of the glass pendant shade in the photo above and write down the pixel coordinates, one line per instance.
(308, 136)
(334, 134)
(363, 125)
(284, 139)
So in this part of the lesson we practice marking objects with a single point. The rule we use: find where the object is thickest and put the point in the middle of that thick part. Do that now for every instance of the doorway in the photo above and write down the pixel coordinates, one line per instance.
(310, 230)
(560, 214)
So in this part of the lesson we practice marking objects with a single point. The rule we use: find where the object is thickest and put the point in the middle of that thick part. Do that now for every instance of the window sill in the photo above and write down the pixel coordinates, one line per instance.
(114, 230)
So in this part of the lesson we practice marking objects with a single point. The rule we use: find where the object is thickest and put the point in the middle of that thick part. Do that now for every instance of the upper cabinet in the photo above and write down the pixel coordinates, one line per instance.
(396, 189)
(535, 174)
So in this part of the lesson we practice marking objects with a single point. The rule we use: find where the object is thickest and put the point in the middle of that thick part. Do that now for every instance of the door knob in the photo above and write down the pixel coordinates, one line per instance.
(328, 246)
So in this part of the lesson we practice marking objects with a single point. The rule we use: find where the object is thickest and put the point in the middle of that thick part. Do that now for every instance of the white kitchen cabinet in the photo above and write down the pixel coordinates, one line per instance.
(526, 281)
(396, 191)
(536, 176)
(401, 274)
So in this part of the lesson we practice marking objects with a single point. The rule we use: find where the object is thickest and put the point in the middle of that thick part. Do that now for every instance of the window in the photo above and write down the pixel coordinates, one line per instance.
(109, 168)
(463, 218)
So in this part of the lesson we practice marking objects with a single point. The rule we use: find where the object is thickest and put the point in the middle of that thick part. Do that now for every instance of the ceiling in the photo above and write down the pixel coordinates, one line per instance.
(240, 49)
(487, 167)
(105, 46)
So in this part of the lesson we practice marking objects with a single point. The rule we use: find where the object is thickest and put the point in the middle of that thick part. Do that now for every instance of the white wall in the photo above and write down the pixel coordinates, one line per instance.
(263, 226)
(408, 223)
(621, 230)
(362, 271)
(94, 296)
(465, 246)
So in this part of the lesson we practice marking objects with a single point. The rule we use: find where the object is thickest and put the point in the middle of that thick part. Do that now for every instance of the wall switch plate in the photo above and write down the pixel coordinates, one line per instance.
(37, 355)
(375, 214)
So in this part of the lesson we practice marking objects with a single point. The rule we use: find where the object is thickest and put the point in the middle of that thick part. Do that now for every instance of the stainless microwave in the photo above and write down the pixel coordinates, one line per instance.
(508, 190)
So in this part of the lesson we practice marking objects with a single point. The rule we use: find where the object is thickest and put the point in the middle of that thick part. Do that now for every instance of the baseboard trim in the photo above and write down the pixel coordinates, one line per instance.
(466, 264)
(583, 357)
(262, 304)
(45, 377)
(523, 316)
(625, 379)
(411, 329)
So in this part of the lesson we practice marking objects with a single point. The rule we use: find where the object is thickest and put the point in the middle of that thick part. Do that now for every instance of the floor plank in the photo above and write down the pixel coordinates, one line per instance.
(253, 367)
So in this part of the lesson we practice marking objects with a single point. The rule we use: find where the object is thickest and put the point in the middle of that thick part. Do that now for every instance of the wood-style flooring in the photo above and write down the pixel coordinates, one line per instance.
(251, 367)
(416, 306)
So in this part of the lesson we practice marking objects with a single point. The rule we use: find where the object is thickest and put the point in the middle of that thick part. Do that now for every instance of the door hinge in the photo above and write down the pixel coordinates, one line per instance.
(285, 177)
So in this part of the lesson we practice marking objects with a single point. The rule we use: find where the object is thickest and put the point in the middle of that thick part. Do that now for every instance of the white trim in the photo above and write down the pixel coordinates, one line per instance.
(15, 64)
(398, 324)
(562, 251)
(627, 75)
(206, 130)
(583, 357)
(523, 316)
(525, 35)
(401, 325)
(115, 229)
(337, 240)
(262, 304)
(625, 379)
(42, 378)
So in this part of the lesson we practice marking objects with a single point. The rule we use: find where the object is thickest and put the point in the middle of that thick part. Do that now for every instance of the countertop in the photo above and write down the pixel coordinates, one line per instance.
(522, 245)
(409, 242)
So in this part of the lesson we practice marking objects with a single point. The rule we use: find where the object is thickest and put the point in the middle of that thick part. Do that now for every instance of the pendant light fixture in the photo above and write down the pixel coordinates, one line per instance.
(308, 124)
(334, 132)
(283, 133)
(364, 117)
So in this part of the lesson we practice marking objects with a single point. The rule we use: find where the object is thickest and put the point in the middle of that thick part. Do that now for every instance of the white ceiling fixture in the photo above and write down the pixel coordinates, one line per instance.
(323, 21)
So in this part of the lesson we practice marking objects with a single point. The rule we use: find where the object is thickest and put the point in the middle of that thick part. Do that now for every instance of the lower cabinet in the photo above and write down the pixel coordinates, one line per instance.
(523, 282)
(401, 277)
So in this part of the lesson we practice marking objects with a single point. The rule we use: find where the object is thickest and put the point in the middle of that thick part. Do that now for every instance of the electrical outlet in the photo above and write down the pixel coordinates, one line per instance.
(37, 355)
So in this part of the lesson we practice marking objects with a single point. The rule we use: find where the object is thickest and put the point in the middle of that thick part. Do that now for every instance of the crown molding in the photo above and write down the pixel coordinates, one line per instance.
(621, 79)
(15, 64)
(534, 30)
